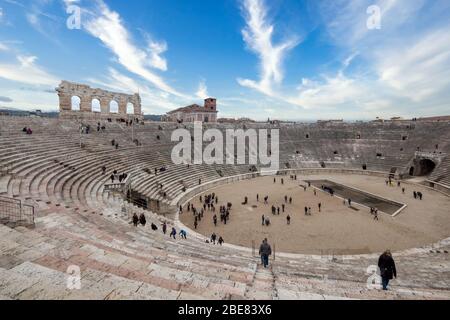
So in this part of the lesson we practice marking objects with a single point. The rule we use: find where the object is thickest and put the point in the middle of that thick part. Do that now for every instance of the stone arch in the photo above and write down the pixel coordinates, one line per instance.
(95, 105)
(84, 102)
(130, 108)
(113, 106)
(75, 103)
(422, 167)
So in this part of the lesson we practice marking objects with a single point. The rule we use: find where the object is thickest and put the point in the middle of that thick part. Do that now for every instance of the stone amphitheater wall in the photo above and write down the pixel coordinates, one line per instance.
(66, 90)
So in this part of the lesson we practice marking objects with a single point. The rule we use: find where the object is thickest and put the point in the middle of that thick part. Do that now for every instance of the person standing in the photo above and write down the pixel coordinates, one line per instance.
(135, 219)
(265, 251)
(387, 268)
(142, 219)
(288, 219)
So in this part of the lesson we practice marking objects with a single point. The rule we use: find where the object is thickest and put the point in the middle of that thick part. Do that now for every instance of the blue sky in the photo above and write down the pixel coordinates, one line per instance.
(285, 59)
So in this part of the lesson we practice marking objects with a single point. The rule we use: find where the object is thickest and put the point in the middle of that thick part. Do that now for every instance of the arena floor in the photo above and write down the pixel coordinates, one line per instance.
(338, 229)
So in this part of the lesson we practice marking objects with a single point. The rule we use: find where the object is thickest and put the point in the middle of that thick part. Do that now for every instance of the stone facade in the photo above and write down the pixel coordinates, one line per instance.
(207, 113)
(67, 90)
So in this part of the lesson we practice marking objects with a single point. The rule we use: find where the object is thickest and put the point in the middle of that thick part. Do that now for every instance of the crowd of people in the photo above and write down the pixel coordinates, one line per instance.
(208, 203)
(115, 175)
(141, 220)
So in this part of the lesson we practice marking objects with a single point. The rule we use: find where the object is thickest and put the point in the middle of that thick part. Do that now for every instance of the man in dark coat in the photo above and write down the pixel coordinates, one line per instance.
(265, 251)
(135, 220)
(142, 219)
(387, 268)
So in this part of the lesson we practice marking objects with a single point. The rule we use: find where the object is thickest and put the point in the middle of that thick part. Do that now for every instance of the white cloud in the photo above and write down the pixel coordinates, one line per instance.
(3, 47)
(28, 72)
(202, 91)
(156, 60)
(152, 102)
(418, 69)
(330, 92)
(107, 26)
(1, 14)
(258, 36)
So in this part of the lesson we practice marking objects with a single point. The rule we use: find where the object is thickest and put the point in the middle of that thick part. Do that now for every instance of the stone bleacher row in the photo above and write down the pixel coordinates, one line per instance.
(79, 224)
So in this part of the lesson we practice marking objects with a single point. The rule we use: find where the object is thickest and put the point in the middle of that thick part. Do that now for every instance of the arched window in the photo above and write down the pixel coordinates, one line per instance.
(96, 106)
(76, 102)
(130, 108)
(113, 107)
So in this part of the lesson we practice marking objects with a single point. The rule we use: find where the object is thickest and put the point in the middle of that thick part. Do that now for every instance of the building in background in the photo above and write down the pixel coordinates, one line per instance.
(207, 113)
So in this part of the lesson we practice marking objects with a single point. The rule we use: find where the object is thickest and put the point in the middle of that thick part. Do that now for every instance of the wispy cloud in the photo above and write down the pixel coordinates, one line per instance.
(202, 91)
(107, 26)
(152, 101)
(419, 69)
(3, 47)
(155, 51)
(27, 71)
(258, 36)
(5, 99)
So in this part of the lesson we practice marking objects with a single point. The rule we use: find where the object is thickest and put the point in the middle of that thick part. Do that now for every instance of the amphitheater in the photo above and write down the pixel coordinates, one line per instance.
(60, 213)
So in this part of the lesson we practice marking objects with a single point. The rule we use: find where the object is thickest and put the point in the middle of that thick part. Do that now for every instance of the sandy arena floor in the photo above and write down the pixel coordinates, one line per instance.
(337, 229)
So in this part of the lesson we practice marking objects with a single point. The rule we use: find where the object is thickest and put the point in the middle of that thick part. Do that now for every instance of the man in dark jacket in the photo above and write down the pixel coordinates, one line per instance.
(135, 220)
(265, 251)
(387, 268)
(142, 219)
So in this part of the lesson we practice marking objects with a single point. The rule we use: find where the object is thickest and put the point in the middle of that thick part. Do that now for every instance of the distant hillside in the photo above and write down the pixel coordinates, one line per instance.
(152, 117)
(23, 113)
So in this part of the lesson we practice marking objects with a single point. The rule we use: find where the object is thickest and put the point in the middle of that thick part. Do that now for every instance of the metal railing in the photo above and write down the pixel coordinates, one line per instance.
(14, 212)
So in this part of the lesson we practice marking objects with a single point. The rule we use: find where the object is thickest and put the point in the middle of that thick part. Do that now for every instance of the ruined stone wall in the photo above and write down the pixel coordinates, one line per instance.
(67, 90)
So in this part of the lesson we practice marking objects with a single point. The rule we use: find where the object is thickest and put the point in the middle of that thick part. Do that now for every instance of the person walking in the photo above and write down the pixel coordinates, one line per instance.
(387, 268)
(142, 219)
(288, 219)
(265, 251)
(213, 238)
(135, 219)
(173, 233)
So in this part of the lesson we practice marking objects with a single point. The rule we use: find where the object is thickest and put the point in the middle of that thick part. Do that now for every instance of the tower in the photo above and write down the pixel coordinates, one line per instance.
(211, 104)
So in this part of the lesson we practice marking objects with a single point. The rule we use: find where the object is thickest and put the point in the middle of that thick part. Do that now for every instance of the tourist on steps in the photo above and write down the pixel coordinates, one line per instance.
(135, 219)
(142, 219)
(265, 251)
(387, 268)
(173, 233)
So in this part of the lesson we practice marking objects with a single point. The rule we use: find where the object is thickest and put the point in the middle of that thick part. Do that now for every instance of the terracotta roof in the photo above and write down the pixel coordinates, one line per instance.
(192, 109)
